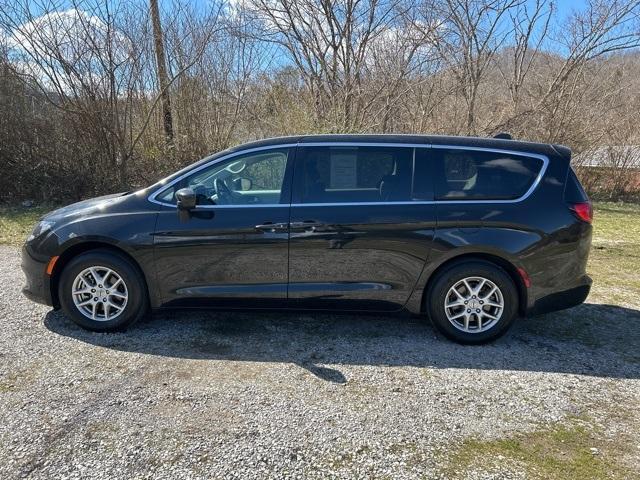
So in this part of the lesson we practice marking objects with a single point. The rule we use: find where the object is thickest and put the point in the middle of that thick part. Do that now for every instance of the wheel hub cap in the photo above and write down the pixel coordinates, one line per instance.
(474, 304)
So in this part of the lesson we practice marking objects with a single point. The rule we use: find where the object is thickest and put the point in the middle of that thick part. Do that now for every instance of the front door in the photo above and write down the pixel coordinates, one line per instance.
(362, 226)
(235, 245)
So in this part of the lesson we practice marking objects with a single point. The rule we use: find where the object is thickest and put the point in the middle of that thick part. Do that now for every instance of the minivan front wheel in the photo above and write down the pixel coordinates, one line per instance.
(473, 302)
(101, 291)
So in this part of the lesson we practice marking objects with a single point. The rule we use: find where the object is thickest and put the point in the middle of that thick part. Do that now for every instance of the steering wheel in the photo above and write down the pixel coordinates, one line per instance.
(203, 194)
(222, 191)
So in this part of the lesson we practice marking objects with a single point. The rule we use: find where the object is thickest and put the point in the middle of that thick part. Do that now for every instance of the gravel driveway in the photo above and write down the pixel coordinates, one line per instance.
(262, 395)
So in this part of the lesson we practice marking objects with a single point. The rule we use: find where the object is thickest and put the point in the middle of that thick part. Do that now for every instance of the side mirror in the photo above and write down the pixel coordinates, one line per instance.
(185, 201)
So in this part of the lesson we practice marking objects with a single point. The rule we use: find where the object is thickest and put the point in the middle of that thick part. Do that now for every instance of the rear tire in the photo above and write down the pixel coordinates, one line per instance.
(102, 291)
(473, 302)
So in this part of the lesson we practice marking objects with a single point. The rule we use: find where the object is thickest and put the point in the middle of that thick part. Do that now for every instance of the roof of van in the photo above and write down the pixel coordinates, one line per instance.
(479, 142)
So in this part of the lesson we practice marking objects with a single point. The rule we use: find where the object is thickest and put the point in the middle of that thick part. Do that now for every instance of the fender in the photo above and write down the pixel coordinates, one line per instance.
(130, 234)
(500, 245)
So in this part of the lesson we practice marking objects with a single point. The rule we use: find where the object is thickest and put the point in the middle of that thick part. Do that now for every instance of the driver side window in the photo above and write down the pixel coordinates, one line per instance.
(251, 179)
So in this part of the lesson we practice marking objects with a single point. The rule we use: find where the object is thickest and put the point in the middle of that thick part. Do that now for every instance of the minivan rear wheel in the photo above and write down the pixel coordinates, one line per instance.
(472, 302)
(102, 291)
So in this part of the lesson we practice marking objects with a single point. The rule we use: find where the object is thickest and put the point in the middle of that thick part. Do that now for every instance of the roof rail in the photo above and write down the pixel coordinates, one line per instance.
(503, 136)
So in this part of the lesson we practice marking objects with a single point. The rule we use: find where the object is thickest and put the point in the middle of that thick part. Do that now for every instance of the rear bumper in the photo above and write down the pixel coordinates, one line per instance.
(563, 299)
(38, 284)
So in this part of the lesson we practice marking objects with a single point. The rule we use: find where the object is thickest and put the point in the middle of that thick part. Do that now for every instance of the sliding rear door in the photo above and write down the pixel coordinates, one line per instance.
(362, 226)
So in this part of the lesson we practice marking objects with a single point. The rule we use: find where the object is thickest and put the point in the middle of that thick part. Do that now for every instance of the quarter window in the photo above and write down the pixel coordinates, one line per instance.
(480, 175)
(573, 191)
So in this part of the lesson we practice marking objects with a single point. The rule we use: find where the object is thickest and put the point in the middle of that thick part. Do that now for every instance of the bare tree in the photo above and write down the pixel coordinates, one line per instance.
(82, 96)
(530, 23)
(330, 43)
(89, 61)
(472, 31)
(604, 28)
(161, 66)
(83, 62)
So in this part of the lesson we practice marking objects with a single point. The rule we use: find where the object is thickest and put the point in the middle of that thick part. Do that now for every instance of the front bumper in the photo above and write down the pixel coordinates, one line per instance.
(38, 283)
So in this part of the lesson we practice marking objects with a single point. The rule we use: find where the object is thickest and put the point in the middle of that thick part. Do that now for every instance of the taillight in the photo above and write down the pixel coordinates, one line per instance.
(583, 210)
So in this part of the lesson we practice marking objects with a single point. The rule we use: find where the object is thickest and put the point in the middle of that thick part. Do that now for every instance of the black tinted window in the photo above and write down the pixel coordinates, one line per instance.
(353, 174)
(478, 175)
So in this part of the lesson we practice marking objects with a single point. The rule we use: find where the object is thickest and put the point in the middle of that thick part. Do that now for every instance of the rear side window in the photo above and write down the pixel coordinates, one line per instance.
(573, 191)
(353, 174)
(480, 175)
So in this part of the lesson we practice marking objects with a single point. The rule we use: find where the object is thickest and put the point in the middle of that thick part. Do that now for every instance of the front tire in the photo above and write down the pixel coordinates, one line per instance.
(473, 302)
(102, 291)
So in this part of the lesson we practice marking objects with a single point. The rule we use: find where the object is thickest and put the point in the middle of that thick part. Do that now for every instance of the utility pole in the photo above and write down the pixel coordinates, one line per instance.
(163, 78)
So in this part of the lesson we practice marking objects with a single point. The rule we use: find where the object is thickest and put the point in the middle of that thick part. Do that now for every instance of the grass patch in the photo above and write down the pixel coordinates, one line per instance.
(614, 261)
(561, 452)
(16, 223)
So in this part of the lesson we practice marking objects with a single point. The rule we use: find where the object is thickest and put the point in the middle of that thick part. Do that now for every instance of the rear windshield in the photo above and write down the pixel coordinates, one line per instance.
(483, 175)
(573, 191)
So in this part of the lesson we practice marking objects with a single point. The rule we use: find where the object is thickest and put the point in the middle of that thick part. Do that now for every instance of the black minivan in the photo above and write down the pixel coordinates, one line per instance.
(471, 232)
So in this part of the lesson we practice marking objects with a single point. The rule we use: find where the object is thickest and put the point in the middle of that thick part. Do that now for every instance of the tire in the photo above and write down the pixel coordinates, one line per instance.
(471, 327)
(119, 303)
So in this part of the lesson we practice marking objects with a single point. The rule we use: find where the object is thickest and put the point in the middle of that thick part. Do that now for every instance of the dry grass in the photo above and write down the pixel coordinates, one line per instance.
(16, 223)
(614, 262)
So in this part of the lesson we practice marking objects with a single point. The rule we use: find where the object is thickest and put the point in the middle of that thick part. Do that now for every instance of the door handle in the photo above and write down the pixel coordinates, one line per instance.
(310, 225)
(272, 227)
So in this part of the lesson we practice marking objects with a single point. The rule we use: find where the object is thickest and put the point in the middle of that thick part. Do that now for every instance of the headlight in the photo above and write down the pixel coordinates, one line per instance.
(42, 227)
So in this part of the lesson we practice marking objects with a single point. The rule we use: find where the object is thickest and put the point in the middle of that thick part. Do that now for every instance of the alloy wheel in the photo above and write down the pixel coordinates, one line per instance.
(99, 293)
(474, 304)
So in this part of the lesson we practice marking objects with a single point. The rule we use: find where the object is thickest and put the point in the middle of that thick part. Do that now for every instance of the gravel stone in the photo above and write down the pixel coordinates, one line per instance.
(187, 395)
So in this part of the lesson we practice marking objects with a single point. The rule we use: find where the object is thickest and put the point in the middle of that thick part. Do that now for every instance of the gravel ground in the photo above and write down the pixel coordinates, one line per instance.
(239, 395)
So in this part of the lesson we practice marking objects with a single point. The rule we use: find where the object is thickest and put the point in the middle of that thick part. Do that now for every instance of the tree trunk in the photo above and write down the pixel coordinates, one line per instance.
(163, 79)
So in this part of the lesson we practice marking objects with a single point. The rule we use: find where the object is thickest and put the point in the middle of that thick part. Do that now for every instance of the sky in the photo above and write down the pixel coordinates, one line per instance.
(563, 8)
(566, 6)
